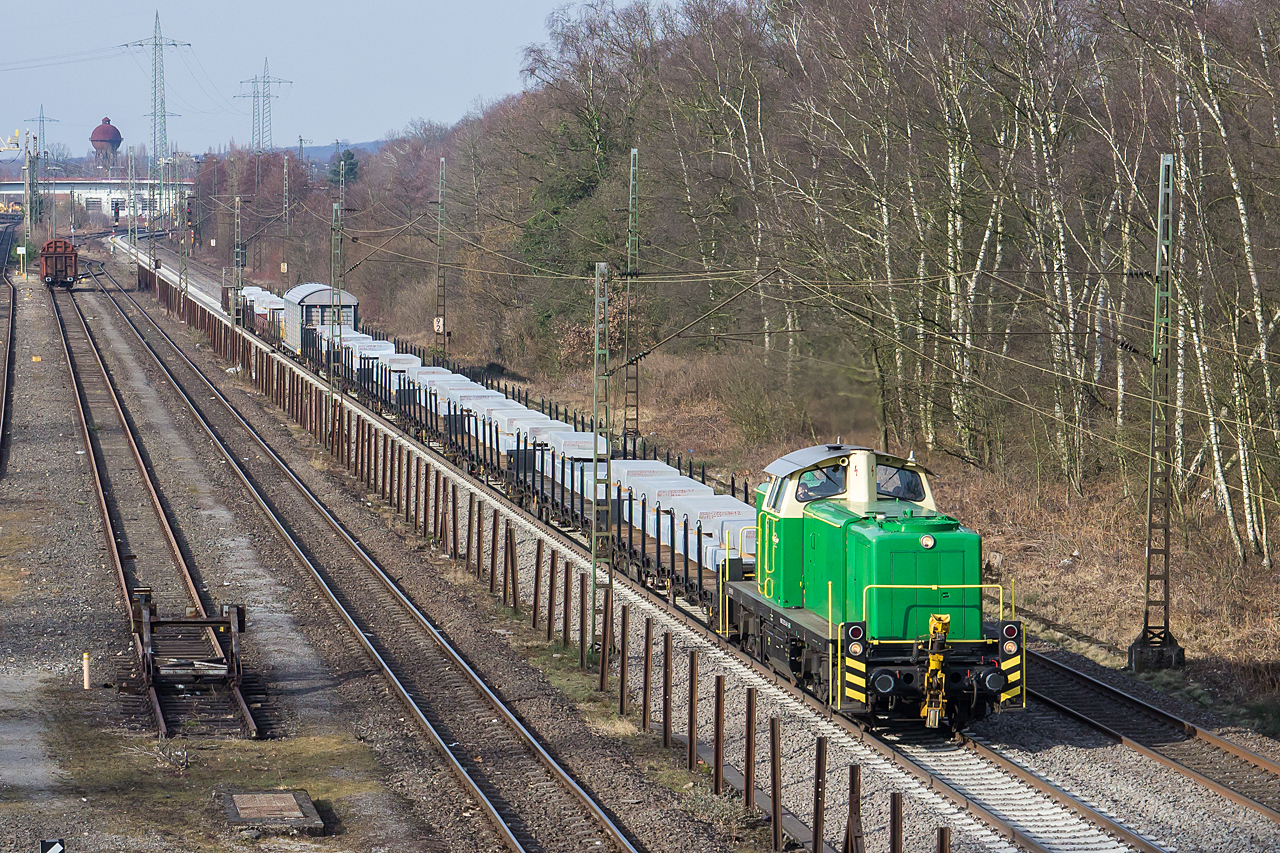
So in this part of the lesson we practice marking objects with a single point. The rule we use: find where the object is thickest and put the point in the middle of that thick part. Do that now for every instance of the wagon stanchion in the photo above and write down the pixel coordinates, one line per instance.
(646, 703)
(749, 762)
(691, 757)
(624, 661)
(895, 822)
(819, 793)
(606, 638)
(775, 779)
(717, 764)
(666, 689)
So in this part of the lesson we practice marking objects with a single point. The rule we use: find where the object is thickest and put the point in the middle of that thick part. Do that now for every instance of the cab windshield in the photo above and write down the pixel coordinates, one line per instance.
(820, 483)
(902, 483)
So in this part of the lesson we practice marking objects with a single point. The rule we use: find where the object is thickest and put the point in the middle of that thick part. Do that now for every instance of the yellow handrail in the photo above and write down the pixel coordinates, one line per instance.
(934, 586)
(723, 595)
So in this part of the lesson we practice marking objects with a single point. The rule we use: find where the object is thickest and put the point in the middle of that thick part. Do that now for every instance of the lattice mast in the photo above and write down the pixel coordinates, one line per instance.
(133, 201)
(600, 465)
(439, 323)
(238, 261)
(335, 283)
(1155, 647)
(159, 128)
(42, 152)
(631, 369)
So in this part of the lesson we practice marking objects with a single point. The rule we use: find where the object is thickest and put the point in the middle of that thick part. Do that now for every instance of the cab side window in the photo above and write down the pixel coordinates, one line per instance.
(774, 499)
(820, 483)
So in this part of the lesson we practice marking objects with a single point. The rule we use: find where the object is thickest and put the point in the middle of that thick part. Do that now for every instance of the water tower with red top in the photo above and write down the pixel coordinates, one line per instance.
(106, 141)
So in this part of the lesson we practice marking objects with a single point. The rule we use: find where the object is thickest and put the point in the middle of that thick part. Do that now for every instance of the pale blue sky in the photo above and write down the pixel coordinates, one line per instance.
(359, 67)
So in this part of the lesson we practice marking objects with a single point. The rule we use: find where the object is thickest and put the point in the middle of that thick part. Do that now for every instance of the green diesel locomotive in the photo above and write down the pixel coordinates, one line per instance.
(868, 597)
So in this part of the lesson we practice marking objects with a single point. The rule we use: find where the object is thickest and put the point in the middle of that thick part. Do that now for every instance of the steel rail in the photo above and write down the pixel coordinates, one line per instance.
(1116, 697)
(9, 326)
(153, 497)
(104, 509)
(370, 562)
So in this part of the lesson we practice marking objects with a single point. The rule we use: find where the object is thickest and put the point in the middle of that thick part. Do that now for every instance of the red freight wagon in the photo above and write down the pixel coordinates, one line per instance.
(58, 263)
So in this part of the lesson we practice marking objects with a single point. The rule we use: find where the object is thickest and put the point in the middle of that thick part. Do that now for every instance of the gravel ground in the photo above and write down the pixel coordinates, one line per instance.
(57, 599)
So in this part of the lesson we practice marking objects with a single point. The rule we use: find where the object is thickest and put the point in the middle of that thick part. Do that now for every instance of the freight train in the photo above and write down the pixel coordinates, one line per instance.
(841, 575)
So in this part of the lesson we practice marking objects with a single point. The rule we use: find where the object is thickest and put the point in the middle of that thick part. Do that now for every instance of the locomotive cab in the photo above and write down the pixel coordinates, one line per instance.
(868, 597)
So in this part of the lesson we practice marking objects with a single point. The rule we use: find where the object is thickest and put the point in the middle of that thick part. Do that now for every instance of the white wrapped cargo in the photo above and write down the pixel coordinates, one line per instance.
(517, 424)
(722, 517)
(662, 492)
(510, 420)
(627, 472)
(418, 374)
(354, 340)
(372, 349)
(399, 362)
(577, 445)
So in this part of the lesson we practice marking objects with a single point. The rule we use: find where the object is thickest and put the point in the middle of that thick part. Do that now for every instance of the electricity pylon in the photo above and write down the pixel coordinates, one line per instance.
(159, 127)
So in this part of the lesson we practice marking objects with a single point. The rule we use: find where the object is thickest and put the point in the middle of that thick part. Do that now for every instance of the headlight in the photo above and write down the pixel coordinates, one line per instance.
(855, 650)
(1010, 648)
(926, 541)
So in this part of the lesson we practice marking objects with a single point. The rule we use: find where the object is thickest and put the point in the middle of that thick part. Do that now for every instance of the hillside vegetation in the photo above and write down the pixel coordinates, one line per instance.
(913, 223)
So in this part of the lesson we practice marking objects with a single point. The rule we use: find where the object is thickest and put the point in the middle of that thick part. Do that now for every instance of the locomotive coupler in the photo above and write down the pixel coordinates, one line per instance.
(935, 680)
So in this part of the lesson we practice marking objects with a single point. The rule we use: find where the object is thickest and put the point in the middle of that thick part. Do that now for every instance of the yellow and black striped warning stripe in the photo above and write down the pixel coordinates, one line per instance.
(855, 679)
(1013, 668)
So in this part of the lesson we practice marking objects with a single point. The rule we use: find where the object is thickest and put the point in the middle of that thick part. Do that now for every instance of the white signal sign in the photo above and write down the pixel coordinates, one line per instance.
(21, 250)
(438, 325)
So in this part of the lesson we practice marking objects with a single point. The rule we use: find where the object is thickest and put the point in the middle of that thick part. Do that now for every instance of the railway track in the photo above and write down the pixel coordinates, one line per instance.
(1021, 805)
(147, 561)
(1219, 765)
(533, 803)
